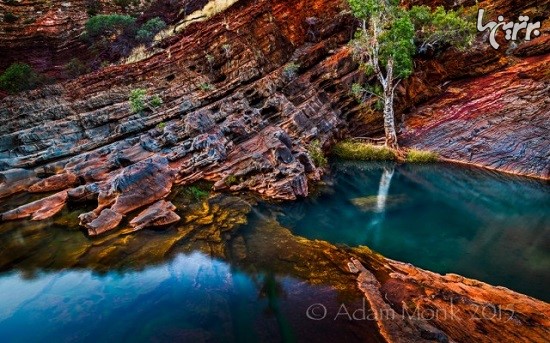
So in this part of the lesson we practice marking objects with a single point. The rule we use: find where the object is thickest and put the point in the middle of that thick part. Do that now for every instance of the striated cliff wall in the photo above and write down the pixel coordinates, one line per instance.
(244, 94)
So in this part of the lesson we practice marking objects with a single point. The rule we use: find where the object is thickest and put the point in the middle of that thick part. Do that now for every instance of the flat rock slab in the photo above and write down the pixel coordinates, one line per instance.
(160, 213)
(40, 209)
(107, 220)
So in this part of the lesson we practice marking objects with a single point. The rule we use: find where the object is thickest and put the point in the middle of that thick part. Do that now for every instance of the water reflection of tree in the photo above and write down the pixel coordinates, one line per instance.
(273, 290)
(374, 228)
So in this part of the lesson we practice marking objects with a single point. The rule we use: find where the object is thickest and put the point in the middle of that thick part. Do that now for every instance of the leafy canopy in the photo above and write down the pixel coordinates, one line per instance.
(19, 77)
(148, 30)
(104, 25)
(440, 27)
(394, 33)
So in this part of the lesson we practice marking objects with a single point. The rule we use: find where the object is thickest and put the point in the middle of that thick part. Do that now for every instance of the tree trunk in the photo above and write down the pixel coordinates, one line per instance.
(389, 121)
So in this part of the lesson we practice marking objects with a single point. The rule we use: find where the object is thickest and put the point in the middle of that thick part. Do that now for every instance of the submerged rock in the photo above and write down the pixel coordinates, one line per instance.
(375, 203)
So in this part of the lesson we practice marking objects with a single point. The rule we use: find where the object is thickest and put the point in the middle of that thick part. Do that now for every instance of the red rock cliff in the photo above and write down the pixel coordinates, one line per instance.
(235, 110)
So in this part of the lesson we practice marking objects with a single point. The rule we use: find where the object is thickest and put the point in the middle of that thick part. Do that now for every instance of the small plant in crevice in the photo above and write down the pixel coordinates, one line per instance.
(75, 68)
(290, 71)
(205, 86)
(10, 18)
(161, 125)
(226, 50)
(156, 100)
(231, 180)
(138, 100)
(210, 59)
(316, 153)
(196, 192)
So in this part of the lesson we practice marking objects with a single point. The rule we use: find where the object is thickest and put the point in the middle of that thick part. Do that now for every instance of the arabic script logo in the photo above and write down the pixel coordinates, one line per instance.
(512, 29)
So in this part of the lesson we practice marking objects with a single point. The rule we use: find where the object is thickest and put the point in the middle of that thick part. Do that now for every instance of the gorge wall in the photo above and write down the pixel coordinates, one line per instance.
(235, 113)
(245, 93)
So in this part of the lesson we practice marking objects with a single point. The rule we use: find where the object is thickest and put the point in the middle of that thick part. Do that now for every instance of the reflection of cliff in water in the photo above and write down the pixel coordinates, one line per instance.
(444, 218)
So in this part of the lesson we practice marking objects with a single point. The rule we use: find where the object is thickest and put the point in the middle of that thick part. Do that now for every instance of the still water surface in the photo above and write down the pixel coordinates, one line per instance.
(236, 270)
(444, 218)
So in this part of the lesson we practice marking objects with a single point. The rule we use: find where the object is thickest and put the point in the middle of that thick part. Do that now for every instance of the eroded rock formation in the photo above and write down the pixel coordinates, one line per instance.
(244, 94)
(228, 112)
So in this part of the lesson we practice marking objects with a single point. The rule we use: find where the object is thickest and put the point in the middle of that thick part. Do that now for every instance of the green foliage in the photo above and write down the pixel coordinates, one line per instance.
(104, 25)
(364, 9)
(290, 70)
(10, 18)
(19, 77)
(29, 21)
(397, 43)
(231, 180)
(226, 49)
(440, 27)
(196, 192)
(161, 125)
(316, 152)
(421, 156)
(156, 101)
(138, 100)
(362, 151)
(360, 93)
(147, 31)
(357, 91)
(398, 30)
(75, 68)
(205, 86)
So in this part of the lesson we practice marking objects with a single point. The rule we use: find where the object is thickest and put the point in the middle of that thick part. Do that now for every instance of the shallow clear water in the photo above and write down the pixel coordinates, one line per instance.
(444, 218)
(232, 271)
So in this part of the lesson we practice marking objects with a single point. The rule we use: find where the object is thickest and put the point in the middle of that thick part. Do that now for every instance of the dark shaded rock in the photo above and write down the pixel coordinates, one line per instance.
(15, 180)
